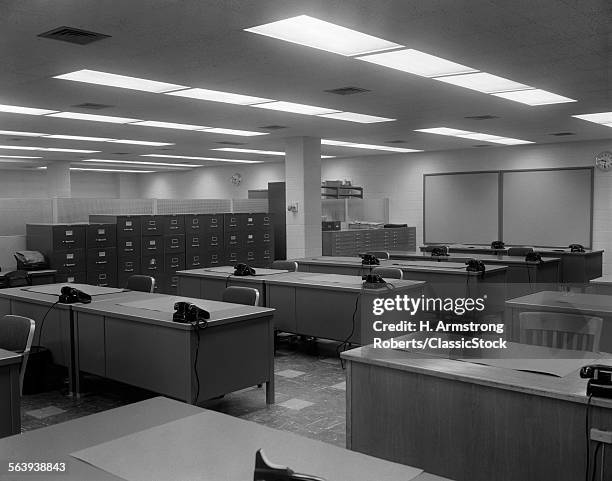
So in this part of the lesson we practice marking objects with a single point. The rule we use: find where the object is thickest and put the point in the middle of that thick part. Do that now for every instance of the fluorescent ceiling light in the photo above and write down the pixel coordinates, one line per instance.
(88, 169)
(20, 134)
(604, 118)
(328, 156)
(354, 117)
(243, 133)
(354, 145)
(121, 81)
(169, 125)
(14, 161)
(218, 96)
(141, 142)
(295, 108)
(77, 137)
(445, 131)
(14, 109)
(534, 97)
(250, 151)
(46, 149)
(139, 162)
(466, 134)
(77, 151)
(18, 157)
(484, 82)
(417, 63)
(315, 33)
(216, 159)
(93, 118)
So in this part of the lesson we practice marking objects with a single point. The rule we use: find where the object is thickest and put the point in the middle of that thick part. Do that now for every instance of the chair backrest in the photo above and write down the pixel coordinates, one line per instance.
(388, 272)
(519, 251)
(563, 331)
(16, 334)
(140, 283)
(290, 266)
(241, 295)
(379, 254)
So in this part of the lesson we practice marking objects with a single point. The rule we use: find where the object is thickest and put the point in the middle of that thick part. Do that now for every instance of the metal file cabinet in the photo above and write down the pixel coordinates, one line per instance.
(126, 225)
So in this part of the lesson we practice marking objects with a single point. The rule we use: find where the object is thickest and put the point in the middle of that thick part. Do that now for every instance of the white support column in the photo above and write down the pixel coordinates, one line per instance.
(58, 178)
(303, 187)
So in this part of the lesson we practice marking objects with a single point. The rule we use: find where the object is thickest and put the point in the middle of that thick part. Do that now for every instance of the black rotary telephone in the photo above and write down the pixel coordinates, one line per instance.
(188, 313)
(70, 295)
(439, 251)
(243, 270)
(533, 257)
(600, 380)
(576, 248)
(266, 471)
(369, 260)
(474, 265)
(498, 245)
(373, 281)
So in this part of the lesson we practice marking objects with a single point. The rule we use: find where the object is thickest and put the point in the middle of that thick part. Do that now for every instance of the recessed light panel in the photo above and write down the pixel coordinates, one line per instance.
(484, 82)
(354, 117)
(535, 97)
(93, 118)
(20, 134)
(218, 96)
(250, 151)
(216, 159)
(114, 171)
(76, 137)
(139, 162)
(466, 134)
(315, 33)
(243, 133)
(354, 145)
(45, 149)
(18, 157)
(445, 131)
(295, 108)
(76, 151)
(417, 63)
(14, 109)
(121, 81)
(140, 142)
(169, 125)
(604, 118)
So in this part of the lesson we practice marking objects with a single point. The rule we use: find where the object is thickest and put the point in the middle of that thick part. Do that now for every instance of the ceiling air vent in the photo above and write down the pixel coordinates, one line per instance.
(273, 127)
(73, 35)
(229, 142)
(92, 106)
(121, 153)
(481, 117)
(395, 141)
(562, 134)
(347, 91)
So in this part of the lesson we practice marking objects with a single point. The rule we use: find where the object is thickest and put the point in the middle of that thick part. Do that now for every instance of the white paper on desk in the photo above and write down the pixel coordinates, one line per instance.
(554, 367)
(216, 447)
(54, 289)
(166, 304)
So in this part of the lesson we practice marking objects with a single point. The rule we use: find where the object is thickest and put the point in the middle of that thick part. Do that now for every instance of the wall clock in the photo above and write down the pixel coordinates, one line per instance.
(236, 179)
(603, 160)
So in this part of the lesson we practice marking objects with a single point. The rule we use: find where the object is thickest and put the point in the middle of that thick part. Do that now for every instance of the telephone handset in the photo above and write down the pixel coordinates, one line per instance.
(188, 313)
(474, 265)
(373, 281)
(70, 295)
(600, 380)
(576, 248)
(369, 260)
(498, 245)
(439, 251)
(243, 270)
(533, 257)
(266, 471)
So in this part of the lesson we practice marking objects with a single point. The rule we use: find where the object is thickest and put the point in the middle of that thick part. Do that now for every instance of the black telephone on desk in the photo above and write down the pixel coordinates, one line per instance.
(474, 265)
(70, 295)
(188, 313)
(533, 257)
(243, 270)
(373, 281)
(439, 251)
(600, 380)
(266, 471)
(369, 260)
(576, 248)
(498, 245)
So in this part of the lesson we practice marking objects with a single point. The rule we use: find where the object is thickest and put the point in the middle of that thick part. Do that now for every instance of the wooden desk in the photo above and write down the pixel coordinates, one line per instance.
(601, 285)
(228, 448)
(576, 267)
(210, 282)
(324, 305)
(568, 302)
(467, 421)
(133, 339)
(10, 396)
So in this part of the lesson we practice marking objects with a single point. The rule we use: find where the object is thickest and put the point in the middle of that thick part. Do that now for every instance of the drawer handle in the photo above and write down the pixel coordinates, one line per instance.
(101, 262)
(69, 265)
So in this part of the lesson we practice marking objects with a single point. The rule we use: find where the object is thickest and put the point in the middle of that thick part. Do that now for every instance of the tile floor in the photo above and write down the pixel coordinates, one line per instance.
(310, 396)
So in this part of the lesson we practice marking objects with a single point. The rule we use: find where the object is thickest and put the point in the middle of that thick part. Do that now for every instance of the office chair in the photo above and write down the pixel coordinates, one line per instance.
(290, 266)
(241, 295)
(379, 254)
(519, 251)
(562, 331)
(16, 333)
(388, 272)
(140, 283)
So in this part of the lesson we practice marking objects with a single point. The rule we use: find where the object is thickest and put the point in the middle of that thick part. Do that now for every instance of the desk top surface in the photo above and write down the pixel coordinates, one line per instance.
(9, 357)
(565, 301)
(336, 282)
(48, 294)
(458, 257)
(225, 446)
(225, 272)
(569, 387)
(542, 250)
(158, 309)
